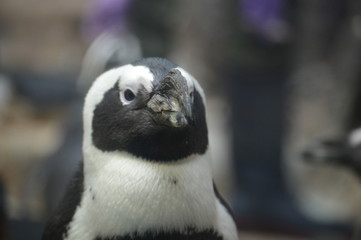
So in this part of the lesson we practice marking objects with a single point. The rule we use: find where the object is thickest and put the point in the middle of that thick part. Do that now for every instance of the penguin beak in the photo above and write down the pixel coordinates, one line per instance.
(171, 103)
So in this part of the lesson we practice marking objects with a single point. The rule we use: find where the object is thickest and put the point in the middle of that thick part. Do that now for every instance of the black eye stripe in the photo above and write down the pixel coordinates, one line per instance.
(129, 95)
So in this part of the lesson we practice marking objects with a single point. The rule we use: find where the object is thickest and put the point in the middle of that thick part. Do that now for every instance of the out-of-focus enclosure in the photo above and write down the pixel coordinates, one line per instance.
(282, 80)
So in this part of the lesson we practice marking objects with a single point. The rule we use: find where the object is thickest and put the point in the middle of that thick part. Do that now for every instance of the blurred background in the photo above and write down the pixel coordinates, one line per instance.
(282, 80)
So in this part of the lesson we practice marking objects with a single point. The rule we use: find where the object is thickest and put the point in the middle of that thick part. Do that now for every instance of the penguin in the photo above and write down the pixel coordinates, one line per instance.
(145, 174)
(343, 151)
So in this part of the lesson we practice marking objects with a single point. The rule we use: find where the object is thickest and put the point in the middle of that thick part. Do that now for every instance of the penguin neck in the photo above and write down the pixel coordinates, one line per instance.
(133, 192)
(117, 166)
(96, 161)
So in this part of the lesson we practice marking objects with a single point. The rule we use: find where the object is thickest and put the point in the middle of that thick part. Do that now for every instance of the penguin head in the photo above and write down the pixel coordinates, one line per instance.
(151, 108)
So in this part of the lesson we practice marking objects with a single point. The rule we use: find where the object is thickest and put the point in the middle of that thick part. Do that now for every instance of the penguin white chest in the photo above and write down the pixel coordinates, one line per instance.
(123, 195)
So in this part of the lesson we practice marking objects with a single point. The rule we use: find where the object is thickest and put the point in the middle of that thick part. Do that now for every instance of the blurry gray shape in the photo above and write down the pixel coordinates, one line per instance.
(356, 25)
(6, 92)
(107, 51)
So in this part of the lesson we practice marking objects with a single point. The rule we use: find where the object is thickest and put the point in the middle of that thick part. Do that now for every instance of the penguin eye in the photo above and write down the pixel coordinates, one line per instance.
(128, 96)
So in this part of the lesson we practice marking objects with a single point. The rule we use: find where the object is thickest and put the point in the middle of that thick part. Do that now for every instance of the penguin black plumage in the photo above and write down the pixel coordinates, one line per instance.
(144, 175)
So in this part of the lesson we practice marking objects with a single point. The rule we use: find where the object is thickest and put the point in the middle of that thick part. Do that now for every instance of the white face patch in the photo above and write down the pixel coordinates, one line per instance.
(192, 83)
(133, 78)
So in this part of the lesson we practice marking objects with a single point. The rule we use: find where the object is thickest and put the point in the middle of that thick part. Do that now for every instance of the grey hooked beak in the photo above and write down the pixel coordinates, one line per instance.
(171, 102)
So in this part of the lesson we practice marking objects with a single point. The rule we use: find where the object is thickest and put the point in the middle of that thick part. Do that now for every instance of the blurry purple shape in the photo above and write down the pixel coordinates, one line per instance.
(106, 15)
(265, 17)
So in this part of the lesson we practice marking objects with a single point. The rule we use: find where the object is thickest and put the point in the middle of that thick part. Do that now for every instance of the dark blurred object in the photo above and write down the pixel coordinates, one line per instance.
(25, 229)
(44, 90)
(153, 23)
(263, 202)
(4, 232)
(256, 86)
(6, 92)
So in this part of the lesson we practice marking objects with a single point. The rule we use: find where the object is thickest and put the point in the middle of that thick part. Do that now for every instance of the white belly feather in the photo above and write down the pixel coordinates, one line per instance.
(123, 194)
